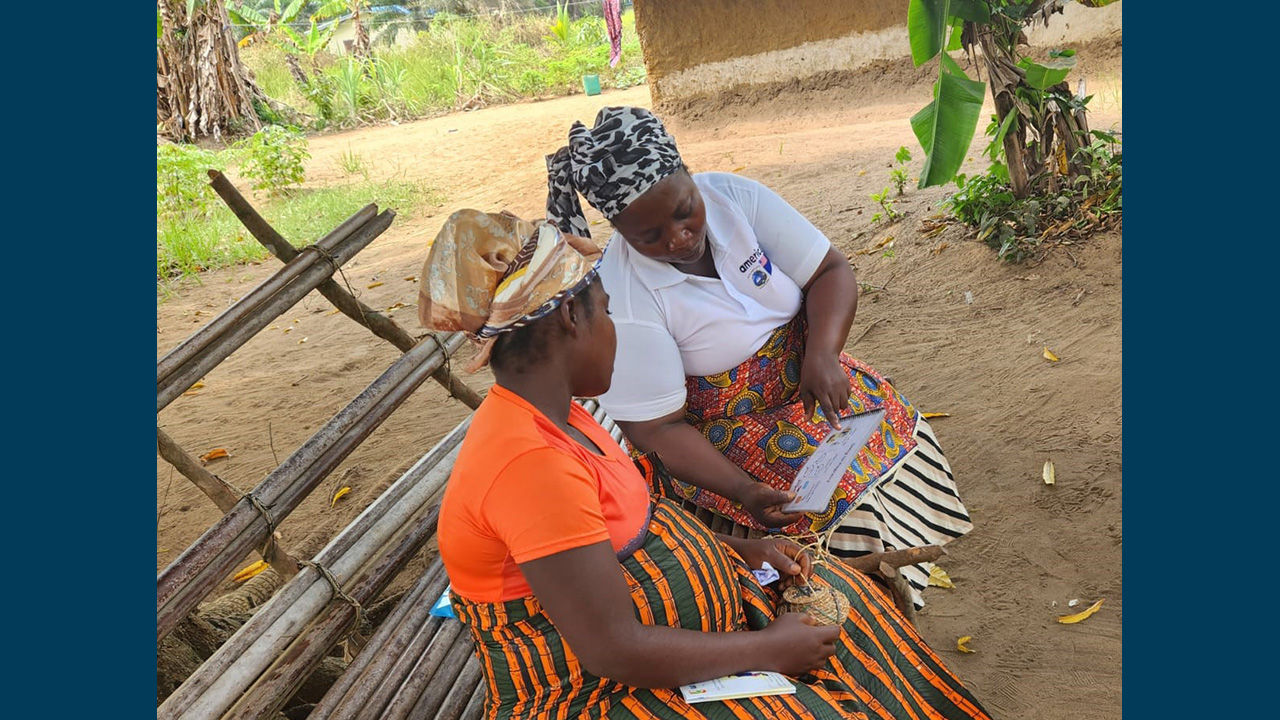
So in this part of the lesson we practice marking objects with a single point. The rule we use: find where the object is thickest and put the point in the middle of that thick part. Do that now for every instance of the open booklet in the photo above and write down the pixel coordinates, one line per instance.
(747, 684)
(818, 478)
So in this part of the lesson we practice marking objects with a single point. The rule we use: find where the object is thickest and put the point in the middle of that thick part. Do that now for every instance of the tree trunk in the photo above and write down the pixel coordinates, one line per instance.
(202, 88)
(360, 48)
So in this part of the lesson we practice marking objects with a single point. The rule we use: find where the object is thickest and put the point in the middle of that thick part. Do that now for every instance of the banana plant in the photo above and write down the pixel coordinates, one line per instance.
(263, 20)
(1039, 124)
(945, 126)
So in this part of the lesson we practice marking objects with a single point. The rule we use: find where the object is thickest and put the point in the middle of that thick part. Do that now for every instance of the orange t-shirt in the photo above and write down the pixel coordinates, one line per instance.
(521, 489)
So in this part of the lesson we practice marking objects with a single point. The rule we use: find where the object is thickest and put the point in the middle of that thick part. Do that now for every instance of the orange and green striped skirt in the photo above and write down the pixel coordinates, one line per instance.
(683, 576)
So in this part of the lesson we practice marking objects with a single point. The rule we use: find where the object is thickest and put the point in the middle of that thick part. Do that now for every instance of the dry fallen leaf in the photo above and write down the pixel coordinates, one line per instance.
(274, 327)
(1047, 473)
(412, 278)
(334, 311)
(302, 341)
(190, 393)
(740, 168)
(1069, 619)
(861, 173)
(374, 285)
(395, 307)
(250, 571)
(939, 577)
(941, 246)
(288, 329)
(214, 454)
(960, 644)
(1048, 354)
(927, 416)
(338, 495)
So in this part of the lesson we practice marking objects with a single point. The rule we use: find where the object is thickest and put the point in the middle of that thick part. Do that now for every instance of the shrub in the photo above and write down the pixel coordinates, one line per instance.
(273, 159)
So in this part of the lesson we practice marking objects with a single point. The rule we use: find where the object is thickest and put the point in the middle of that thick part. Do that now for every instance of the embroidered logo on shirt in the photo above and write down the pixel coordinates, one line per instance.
(761, 274)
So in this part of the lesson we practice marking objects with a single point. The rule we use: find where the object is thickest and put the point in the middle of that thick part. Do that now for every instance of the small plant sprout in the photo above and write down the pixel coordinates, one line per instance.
(899, 173)
(886, 207)
(353, 163)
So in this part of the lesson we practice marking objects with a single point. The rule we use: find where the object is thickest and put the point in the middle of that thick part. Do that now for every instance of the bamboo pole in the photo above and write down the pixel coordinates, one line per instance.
(189, 578)
(457, 696)
(244, 307)
(181, 379)
(385, 646)
(222, 494)
(378, 323)
(202, 565)
(411, 671)
(260, 641)
(475, 707)
(217, 489)
(411, 705)
(281, 681)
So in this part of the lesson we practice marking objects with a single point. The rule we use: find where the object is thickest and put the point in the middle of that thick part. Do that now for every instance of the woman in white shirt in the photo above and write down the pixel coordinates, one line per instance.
(732, 311)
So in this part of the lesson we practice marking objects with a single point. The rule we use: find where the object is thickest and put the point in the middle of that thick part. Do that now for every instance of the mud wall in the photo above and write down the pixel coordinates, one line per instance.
(701, 47)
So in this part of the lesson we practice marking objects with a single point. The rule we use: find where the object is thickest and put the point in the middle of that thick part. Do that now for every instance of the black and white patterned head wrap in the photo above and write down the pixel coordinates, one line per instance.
(626, 153)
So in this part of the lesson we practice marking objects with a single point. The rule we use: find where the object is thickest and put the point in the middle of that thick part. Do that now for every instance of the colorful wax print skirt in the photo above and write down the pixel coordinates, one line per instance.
(897, 493)
(683, 576)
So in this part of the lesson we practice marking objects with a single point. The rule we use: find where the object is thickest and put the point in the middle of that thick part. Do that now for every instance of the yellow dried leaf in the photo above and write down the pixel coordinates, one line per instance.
(197, 386)
(861, 173)
(961, 646)
(214, 454)
(941, 246)
(1069, 619)
(250, 571)
(927, 416)
(412, 278)
(190, 393)
(395, 307)
(1048, 355)
(334, 311)
(1048, 474)
(302, 341)
(740, 168)
(288, 329)
(338, 495)
(939, 578)
(374, 285)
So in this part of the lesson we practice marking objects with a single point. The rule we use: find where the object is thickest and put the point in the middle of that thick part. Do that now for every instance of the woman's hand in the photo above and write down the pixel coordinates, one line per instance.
(798, 645)
(788, 558)
(765, 504)
(824, 382)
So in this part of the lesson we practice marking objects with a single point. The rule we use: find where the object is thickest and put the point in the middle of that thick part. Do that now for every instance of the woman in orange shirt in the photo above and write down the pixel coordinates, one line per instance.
(586, 596)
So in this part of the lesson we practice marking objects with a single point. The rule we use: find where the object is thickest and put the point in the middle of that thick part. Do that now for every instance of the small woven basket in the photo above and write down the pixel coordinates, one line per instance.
(818, 599)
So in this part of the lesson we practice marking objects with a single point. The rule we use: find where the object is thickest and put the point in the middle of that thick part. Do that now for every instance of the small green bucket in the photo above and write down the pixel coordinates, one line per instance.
(591, 84)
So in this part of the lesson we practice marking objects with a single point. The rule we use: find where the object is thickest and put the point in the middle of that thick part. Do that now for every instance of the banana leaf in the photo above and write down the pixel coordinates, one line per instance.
(1043, 76)
(945, 126)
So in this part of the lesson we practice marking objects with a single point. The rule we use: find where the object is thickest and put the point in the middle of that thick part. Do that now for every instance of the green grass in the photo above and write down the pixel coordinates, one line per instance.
(188, 245)
(455, 61)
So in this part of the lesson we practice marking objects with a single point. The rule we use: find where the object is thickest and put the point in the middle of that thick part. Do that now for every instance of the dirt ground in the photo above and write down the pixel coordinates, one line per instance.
(957, 330)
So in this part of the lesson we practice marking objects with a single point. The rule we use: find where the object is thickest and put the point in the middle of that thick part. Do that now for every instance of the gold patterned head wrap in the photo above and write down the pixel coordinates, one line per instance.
(489, 273)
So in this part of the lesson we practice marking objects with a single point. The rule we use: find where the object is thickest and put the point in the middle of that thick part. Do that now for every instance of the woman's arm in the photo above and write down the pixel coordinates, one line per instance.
(831, 301)
(585, 594)
(690, 456)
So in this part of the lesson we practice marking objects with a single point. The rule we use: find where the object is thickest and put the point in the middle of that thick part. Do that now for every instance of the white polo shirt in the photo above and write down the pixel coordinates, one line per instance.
(671, 325)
